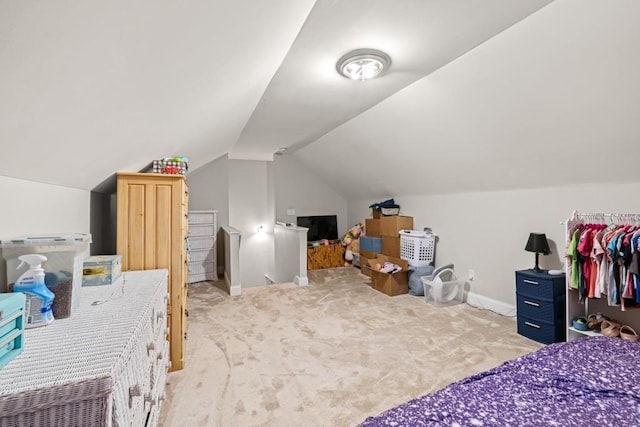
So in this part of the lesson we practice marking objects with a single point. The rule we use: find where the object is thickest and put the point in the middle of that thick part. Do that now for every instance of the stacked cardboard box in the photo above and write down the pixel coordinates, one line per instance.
(370, 244)
(372, 227)
(390, 226)
(386, 228)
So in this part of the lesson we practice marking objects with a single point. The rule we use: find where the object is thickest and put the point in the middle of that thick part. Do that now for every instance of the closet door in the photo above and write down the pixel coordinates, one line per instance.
(151, 232)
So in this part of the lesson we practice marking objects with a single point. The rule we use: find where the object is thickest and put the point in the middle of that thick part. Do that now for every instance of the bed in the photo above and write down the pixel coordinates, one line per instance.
(591, 381)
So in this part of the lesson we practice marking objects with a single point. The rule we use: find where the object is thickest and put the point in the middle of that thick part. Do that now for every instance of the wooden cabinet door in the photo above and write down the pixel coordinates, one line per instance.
(151, 234)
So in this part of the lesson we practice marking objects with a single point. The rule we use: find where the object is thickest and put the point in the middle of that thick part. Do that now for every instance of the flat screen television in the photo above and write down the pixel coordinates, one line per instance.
(320, 227)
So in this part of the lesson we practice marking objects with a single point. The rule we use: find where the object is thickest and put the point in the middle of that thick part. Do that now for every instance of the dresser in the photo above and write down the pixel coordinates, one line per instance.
(541, 306)
(201, 247)
(151, 233)
(106, 365)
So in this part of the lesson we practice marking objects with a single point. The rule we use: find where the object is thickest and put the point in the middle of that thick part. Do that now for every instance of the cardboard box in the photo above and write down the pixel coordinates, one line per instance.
(372, 227)
(391, 225)
(376, 213)
(389, 284)
(365, 256)
(370, 244)
(391, 246)
(368, 255)
(101, 270)
(365, 269)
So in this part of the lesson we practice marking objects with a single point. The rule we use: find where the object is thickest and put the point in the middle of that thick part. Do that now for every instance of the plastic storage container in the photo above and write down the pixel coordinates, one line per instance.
(417, 247)
(443, 288)
(63, 269)
(101, 270)
(11, 326)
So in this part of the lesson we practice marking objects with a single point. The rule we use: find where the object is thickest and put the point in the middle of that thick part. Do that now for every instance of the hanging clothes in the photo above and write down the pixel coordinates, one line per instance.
(603, 258)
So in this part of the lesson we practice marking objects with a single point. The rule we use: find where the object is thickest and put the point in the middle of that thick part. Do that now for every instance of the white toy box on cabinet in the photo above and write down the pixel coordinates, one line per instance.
(101, 270)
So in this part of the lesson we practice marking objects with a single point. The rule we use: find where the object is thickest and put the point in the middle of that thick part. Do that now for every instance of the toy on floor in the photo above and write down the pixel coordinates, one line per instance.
(348, 239)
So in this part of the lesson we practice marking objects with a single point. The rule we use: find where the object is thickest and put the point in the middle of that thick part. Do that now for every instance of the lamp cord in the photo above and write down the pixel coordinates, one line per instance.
(113, 294)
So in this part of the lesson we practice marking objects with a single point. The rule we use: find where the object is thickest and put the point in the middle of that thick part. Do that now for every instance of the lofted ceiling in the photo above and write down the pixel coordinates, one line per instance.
(476, 91)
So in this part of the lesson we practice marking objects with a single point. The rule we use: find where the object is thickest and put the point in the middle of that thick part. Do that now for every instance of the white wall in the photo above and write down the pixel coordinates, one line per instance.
(251, 193)
(487, 231)
(249, 208)
(209, 188)
(290, 249)
(241, 191)
(296, 187)
(33, 208)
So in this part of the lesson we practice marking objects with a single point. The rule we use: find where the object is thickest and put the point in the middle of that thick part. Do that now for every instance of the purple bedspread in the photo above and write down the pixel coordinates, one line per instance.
(592, 381)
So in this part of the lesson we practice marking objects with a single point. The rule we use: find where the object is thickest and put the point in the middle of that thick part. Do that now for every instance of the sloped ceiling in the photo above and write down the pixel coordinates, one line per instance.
(551, 102)
(481, 95)
(92, 87)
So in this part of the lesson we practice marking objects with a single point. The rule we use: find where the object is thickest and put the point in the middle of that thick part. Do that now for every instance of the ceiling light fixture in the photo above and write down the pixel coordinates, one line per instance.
(363, 64)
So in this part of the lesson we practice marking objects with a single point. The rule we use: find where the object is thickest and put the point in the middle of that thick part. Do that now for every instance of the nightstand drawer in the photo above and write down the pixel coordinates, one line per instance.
(542, 332)
(539, 286)
(540, 309)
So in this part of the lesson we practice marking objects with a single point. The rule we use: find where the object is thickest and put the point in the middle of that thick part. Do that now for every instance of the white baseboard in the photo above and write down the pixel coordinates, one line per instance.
(234, 290)
(301, 281)
(481, 301)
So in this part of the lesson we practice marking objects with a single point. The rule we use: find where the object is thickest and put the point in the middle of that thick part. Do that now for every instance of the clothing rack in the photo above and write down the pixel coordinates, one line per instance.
(595, 218)
(603, 218)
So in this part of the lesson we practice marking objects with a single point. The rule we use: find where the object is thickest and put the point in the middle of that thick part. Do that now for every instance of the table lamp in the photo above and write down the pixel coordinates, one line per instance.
(537, 243)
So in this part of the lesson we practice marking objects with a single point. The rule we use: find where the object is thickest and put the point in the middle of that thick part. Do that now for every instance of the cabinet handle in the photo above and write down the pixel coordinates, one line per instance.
(533, 325)
(535, 304)
(150, 400)
(531, 282)
(134, 392)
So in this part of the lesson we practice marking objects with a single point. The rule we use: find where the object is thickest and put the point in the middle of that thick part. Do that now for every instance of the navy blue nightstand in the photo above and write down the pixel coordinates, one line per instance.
(541, 306)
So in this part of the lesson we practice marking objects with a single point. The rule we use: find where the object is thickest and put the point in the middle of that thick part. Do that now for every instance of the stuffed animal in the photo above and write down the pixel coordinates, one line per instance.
(348, 241)
(353, 233)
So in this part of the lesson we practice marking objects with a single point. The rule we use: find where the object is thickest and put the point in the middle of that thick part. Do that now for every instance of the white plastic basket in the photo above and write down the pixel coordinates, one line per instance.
(417, 247)
(443, 288)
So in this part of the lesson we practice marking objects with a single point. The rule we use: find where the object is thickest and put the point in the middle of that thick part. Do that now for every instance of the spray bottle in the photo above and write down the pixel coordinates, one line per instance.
(39, 297)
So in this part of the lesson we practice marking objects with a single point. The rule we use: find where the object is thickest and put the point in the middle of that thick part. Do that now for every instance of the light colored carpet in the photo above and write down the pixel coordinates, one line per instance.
(329, 354)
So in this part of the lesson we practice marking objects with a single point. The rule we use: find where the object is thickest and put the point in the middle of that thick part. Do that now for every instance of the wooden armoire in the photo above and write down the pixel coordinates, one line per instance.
(152, 227)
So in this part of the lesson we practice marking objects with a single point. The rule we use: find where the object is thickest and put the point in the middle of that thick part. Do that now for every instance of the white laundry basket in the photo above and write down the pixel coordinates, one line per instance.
(443, 288)
(417, 247)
